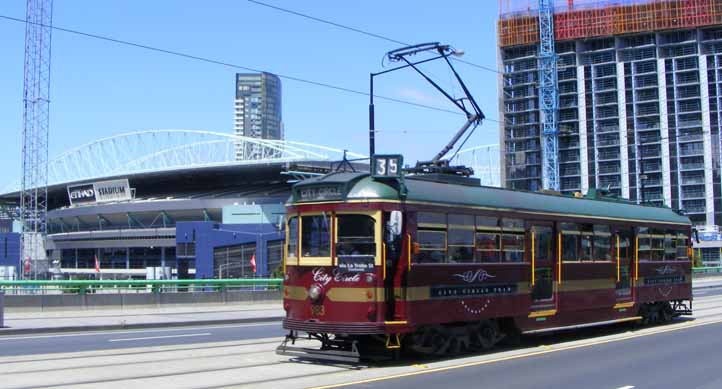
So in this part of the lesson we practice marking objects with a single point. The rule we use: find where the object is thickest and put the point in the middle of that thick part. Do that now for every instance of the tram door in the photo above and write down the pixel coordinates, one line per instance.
(543, 261)
(624, 254)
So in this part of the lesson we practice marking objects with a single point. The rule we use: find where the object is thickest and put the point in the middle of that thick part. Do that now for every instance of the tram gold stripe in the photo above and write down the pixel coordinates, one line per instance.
(396, 323)
(624, 305)
(682, 326)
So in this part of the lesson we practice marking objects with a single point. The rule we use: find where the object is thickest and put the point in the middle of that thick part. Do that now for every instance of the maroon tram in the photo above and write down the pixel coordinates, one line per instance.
(437, 264)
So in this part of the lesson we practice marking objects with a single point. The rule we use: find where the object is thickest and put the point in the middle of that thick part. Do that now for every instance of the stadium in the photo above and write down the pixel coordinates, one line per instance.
(167, 204)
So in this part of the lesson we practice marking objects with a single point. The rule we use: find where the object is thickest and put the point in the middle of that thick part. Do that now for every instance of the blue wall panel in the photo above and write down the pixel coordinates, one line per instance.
(10, 249)
(209, 235)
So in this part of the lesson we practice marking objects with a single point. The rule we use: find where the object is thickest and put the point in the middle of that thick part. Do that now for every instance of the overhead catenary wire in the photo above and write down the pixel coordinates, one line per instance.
(236, 66)
(228, 64)
(358, 30)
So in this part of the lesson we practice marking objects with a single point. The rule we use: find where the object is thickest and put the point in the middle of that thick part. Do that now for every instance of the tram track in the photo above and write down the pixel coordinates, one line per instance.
(251, 363)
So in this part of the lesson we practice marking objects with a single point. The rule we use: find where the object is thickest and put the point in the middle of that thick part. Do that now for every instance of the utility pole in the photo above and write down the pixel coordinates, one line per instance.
(36, 101)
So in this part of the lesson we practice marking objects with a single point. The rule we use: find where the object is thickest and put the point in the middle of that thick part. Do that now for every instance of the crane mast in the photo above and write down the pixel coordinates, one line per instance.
(548, 97)
(36, 102)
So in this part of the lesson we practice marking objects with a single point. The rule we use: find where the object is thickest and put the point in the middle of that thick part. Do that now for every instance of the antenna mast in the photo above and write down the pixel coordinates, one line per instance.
(36, 99)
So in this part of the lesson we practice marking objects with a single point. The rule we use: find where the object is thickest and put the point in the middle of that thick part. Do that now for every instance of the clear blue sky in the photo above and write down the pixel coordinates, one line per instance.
(100, 89)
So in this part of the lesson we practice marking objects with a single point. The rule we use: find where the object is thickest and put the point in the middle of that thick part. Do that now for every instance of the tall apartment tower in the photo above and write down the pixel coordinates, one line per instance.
(257, 110)
(640, 101)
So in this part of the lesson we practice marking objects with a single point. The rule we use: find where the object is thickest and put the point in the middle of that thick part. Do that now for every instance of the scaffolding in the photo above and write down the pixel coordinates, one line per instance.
(579, 19)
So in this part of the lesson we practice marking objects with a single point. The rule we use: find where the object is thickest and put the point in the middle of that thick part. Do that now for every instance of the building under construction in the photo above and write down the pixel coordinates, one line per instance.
(639, 100)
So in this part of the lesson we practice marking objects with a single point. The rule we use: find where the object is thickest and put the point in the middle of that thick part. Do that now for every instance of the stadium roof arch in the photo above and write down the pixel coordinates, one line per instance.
(166, 150)
(484, 159)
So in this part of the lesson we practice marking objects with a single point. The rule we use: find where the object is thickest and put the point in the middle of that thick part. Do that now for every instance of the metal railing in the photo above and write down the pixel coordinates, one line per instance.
(707, 270)
(82, 287)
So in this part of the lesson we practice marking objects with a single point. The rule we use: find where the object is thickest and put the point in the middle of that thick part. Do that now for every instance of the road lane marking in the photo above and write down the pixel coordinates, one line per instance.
(682, 326)
(626, 387)
(137, 331)
(159, 337)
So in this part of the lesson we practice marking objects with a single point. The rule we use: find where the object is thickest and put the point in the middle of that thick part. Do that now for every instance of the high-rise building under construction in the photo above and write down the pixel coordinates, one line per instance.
(639, 100)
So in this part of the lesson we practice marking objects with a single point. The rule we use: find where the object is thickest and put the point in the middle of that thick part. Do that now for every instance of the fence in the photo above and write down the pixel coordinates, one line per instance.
(83, 287)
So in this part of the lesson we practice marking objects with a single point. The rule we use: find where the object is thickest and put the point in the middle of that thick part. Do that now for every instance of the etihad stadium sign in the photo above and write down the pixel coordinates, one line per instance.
(99, 192)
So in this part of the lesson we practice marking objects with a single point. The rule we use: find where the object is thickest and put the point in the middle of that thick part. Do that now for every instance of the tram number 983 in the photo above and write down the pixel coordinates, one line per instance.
(387, 166)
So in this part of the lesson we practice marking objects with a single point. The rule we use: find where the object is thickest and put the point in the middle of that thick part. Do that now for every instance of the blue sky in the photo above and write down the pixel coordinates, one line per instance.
(100, 89)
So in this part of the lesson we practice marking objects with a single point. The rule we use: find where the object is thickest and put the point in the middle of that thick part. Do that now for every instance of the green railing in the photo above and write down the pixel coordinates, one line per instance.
(138, 286)
(707, 270)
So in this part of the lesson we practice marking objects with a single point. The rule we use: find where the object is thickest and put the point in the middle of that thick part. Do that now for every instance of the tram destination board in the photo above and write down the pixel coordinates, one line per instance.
(356, 263)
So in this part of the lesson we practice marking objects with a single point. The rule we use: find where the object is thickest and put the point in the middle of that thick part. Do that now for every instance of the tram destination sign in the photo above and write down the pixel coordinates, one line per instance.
(320, 193)
(356, 263)
(99, 192)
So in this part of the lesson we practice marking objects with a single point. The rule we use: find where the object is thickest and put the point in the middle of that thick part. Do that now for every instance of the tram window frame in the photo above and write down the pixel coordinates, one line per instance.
(571, 241)
(657, 245)
(320, 260)
(460, 238)
(374, 216)
(428, 252)
(487, 227)
(586, 243)
(670, 246)
(602, 238)
(513, 228)
(684, 247)
(644, 244)
(431, 222)
(291, 248)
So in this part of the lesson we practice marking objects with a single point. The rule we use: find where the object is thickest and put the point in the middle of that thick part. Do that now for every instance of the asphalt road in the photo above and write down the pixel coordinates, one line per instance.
(105, 340)
(676, 359)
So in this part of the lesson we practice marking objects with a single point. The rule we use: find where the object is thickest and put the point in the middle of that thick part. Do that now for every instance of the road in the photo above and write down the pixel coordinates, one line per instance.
(682, 354)
(108, 340)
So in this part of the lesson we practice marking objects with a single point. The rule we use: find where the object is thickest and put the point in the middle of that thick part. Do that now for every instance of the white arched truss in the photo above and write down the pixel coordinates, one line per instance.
(167, 150)
(485, 162)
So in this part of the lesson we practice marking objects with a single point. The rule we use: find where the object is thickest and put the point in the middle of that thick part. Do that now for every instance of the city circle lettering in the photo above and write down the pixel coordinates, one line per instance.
(322, 277)
(320, 193)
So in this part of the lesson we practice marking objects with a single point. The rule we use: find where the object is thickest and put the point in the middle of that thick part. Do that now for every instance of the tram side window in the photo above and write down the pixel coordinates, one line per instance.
(460, 238)
(657, 241)
(644, 245)
(431, 236)
(488, 239)
(315, 236)
(682, 254)
(292, 251)
(587, 237)
(570, 241)
(512, 242)
(670, 247)
(602, 246)
(432, 246)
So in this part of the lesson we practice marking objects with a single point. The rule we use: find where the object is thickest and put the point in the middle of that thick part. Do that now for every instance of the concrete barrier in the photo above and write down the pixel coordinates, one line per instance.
(60, 302)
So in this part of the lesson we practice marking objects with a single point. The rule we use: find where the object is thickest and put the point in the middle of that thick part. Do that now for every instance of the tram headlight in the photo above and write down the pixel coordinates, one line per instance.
(315, 292)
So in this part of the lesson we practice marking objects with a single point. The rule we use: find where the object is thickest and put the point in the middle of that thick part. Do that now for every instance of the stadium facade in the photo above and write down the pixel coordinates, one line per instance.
(166, 204)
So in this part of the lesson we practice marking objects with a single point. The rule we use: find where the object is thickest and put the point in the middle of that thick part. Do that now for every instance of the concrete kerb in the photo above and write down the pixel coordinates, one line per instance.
(111, 327)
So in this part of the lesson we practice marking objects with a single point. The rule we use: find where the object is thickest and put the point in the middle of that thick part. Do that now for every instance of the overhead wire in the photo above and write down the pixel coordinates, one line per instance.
(228, 64)
(358, 30)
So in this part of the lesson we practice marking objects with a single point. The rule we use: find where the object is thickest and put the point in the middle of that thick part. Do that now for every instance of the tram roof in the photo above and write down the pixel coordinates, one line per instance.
(361, 186)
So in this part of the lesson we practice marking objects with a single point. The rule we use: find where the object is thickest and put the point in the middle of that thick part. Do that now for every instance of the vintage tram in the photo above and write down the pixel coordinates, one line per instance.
(437, 264)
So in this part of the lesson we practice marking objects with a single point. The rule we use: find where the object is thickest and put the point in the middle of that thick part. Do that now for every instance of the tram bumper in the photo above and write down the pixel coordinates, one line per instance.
(329, 351)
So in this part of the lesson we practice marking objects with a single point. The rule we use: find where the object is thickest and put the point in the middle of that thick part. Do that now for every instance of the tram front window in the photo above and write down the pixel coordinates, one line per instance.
(315, 236)
(356, 235)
